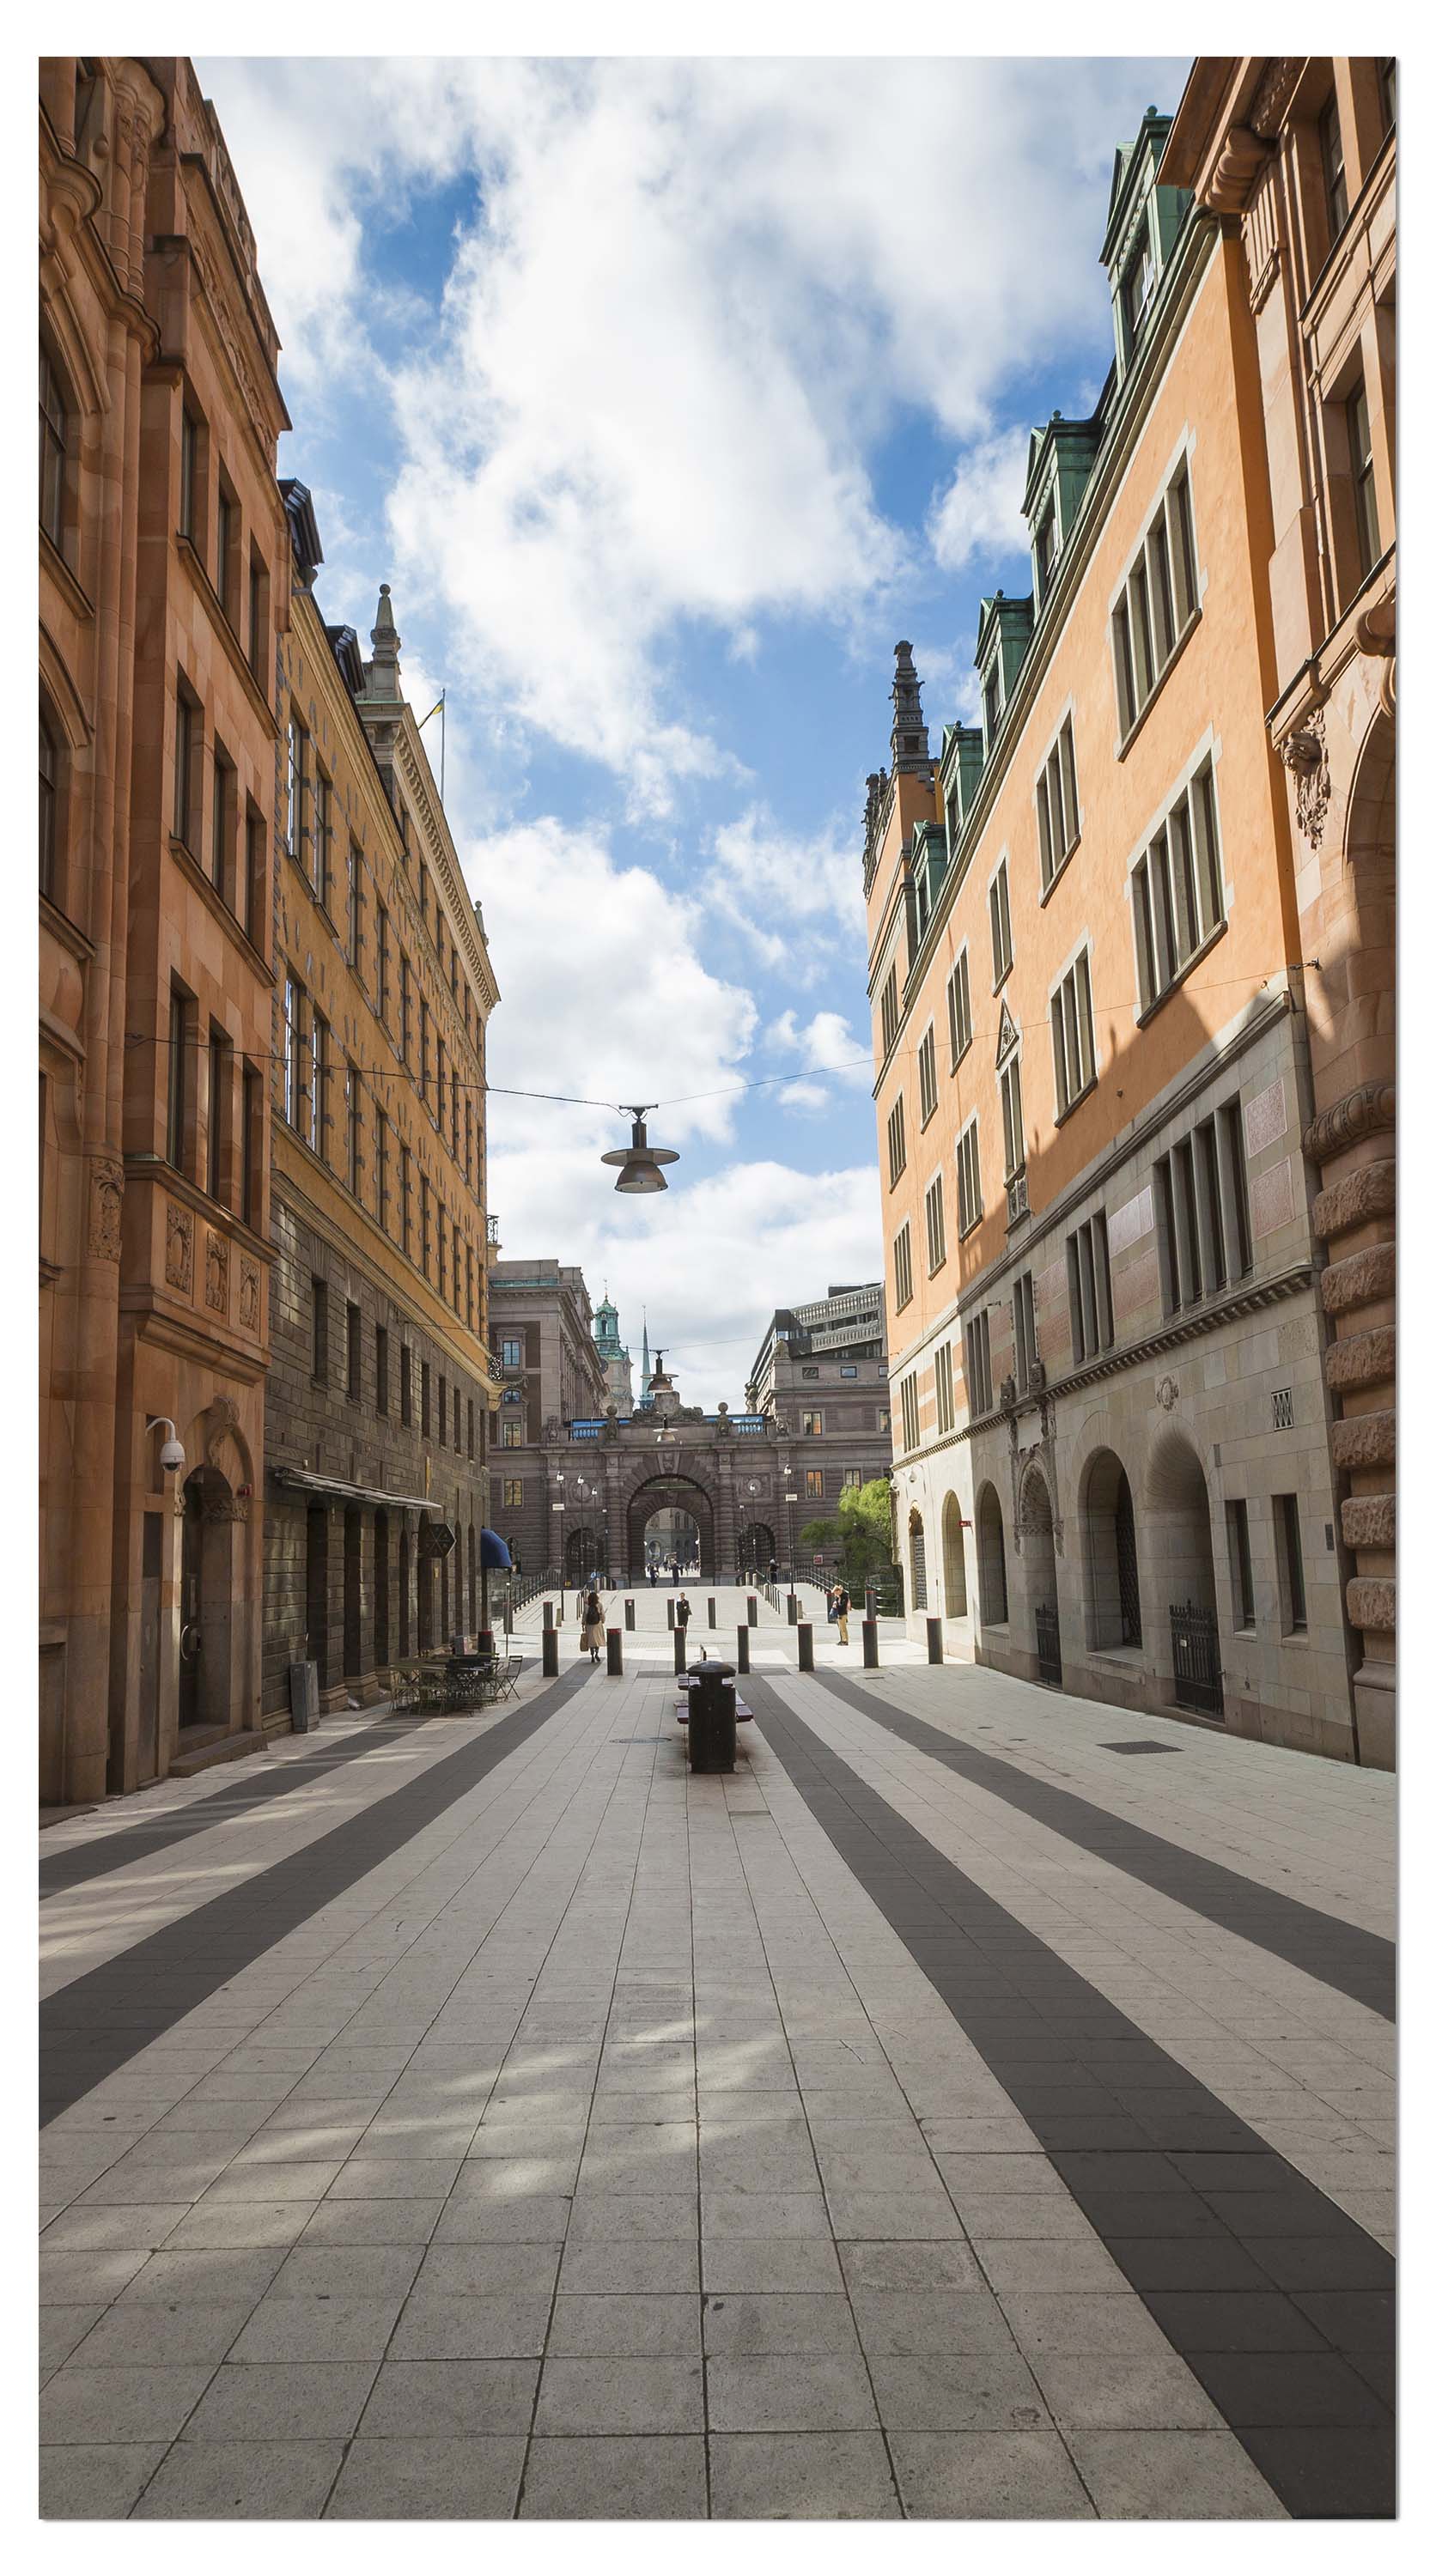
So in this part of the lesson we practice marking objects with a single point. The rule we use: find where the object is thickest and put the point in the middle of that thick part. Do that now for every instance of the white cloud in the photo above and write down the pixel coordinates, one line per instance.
(980, 514)
(796, 898)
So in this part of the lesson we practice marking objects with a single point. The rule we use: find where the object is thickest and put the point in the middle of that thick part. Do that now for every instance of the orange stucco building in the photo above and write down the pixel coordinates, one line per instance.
(1095, 1049)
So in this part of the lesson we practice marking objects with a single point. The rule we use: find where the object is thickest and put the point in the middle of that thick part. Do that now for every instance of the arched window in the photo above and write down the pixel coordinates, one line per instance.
(54, 449)
(49, 805)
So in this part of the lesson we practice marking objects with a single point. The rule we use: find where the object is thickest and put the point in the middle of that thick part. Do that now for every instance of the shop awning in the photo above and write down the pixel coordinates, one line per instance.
(494, 1556)
(306, 1480)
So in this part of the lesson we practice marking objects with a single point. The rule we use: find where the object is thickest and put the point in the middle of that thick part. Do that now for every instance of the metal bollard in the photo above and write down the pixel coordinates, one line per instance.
(752, 1609)
(870, 1645)
(870, 1601)
(712, 1611)
(680, 1650)
(628, 1619)
(668, 1606)
(805, 1645)
(934, 1641)
(615, 1650)
(792, 1609)
(508, 1618)
(548, 1614)
(550, 1650)
(742, 1650)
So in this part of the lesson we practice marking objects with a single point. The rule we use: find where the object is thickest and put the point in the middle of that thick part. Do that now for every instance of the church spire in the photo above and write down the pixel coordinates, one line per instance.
(909, 733)
(383, 673)
(647, 1371)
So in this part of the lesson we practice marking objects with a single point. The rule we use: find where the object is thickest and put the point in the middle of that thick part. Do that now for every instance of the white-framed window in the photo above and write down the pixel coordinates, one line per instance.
(1000, 915)
(907, 1395)
(812, 1426)
(1024, 1331)
(1156, 603)
(890, 1008)
(902, 1268)
(1204, 1236)
(959, 1007)
(979, 1365)
(1089, 1289)
(1058, 822)
(942, 1384)
(897, 1142)
(1074, 1056)
(1009, 1083)
(969, 1179)
(1177, 896)
(927, 1074)
(852, 1479)
(936, 1227)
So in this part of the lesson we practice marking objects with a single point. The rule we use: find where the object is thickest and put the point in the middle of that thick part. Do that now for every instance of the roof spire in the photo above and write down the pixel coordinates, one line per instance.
(909, 733)
(384, 636)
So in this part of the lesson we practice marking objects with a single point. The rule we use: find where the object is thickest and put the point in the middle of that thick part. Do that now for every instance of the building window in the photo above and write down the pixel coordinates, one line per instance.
(1073, 1053)
(405, 1007)
(907, 1400)
(319, 1359)
(885, 1419)
(381, 1369)
(1046, 549)
(423, 1050)
(1291, 1577)
(897, 1142)
(890, 1009)
(1204, 1238)
(1089, 1289)
(1024, 1332)
(1386, 89)
(959, 1009)
(354, 1128)
(424, 1233)
(1333, 166)
(353, 1351)
(969, 1179)
(1239, 1558)
(942, 1386)
(511, 1351)
(323, 835)
(177, 1107)
(979, 1365)
(812, 1426)
(189, 477)
(319, 1084)
(1363, 477)
(252, 1094)
(442, 1247)
(226, 560)
(291, 1032)
(513, 1493)
(186, 747)
(1009, 1083)
(927, 1075)
(443, 1410)
(54, 450)
(991, 704)
(258, 617)
(471, 1425)
(1057, 825)
(1177, 898)
(902, 1269)
(1001, 919)
(425, 1392)
(813, 1484)
(812, 1373)
(1158, 603)
(221, 1077)
(49, 806)
(1139, 278)
(381, 1168)
(254, 877)
(381, 962)
(406, 1200)
(406, 1384)
(936, 1227)
(512, 1434)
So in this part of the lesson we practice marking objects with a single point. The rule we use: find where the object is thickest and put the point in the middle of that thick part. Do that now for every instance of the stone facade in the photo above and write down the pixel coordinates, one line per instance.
(378, 1423)
(163, 590)
(1096, 1044)
(821, 1376)
(1301, 153)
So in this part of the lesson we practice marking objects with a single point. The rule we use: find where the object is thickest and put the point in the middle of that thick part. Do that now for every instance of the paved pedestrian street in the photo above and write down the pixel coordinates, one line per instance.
(979, 2104)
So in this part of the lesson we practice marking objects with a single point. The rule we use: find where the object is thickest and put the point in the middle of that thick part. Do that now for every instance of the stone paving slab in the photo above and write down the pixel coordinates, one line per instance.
(639, 2166)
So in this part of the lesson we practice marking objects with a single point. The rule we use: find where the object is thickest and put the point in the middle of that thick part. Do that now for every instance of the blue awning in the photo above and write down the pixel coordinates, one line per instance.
(494, 1556)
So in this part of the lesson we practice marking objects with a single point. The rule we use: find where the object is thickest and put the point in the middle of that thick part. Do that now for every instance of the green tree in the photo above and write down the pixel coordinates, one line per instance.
(859, 1539)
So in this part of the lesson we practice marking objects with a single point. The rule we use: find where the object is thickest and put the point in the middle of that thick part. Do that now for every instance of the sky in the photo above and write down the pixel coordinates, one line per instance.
(667, 396)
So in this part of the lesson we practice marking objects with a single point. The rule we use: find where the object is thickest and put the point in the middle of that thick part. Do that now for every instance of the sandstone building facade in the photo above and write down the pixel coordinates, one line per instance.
(376, 1450)
(821, 1377)
(163, 594)
(1097, 1049)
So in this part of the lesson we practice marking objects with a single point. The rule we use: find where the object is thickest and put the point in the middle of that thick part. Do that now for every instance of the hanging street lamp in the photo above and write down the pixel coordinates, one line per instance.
(639, 1161)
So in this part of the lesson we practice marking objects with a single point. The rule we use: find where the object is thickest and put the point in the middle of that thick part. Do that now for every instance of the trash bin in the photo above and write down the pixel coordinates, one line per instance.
(712, 1718)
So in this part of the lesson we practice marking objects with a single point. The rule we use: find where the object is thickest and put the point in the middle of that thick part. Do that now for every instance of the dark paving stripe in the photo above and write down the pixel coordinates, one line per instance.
(1356, 1963)
(1242, 2262)
(142, 1835)
(102, 2019)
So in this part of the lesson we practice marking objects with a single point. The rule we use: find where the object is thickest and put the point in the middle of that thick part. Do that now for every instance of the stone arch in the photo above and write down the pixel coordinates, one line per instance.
(1112, 1592)
(917, 1559)
(1179, 1522)
(954, 1560)
(1039, 1554)
(991, 1559)
(678, 1491)
(207, 1596)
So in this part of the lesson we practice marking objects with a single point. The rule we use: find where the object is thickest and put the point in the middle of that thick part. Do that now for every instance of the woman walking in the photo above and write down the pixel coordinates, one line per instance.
(591, 1634)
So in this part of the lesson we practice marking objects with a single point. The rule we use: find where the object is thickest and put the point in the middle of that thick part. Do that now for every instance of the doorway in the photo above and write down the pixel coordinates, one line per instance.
(381, 1590)
(353, 1593)
(316, 1589)
(206, 1600)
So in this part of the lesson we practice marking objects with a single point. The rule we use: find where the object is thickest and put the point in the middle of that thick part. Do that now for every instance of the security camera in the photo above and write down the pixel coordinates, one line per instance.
(172, 1455)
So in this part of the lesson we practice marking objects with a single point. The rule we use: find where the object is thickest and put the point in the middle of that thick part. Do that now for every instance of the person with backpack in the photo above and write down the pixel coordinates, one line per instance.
(591, 1634)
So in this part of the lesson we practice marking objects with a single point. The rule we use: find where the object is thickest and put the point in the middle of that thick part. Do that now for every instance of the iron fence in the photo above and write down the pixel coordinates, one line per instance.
(1049, 1643)
(1196, 1659)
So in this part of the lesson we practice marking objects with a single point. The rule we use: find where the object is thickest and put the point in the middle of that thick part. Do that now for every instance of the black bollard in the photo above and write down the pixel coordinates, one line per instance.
(548, 1614)
(792, 1609)
(628, 1620)
(870, 1601)
(934, 1641)
(508, 1618)
(752, 1609)
(742, 1650)
(870, 1645)
(805, 1645)
(615, 1650)
(680, 1650)
(668, 1606)
(550, 1650)
(712, 1611)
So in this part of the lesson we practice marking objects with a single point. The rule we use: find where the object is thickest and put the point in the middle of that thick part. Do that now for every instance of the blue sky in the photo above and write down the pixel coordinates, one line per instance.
(668, 396)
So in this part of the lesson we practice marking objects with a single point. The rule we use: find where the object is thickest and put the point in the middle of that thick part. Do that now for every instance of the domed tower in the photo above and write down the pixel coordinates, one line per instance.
(617, 1366)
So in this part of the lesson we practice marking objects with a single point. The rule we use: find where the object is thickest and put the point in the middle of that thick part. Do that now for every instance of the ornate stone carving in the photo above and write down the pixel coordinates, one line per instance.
(1364, 1441)
(1241, 157)
(1168, 1392)
(1305, 756)
(1275, 95)
(216, 1274)
(1369, 1110)
(1363, 1279)
(1369, 1520)
(107, 1193)
(1359, 1198)
(179, 1247)
(249, 1296)
(1363, 1359)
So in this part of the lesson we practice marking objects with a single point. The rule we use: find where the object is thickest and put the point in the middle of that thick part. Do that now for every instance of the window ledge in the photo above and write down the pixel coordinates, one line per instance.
(69, 581)
(1144, 1018)
(964, 1231)
(1126, 740)
(961, 1057)
(1002, 978)
(219, 619)
(1059, 872)
(181, 852)
(1062, 1116)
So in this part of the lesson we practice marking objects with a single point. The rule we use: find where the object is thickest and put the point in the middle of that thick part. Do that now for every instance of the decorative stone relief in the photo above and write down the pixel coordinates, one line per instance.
(1265, 1117)
(1369, 1110)
(179, 1247)
(1276, 94)
(107, 1193)
(249, 1296)
(1168, 1392)
(216, 1273)
(1305, 756)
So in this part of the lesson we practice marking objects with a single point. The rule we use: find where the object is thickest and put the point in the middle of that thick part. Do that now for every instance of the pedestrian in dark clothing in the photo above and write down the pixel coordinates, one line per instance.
(682, 1610)
(591, 1634)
